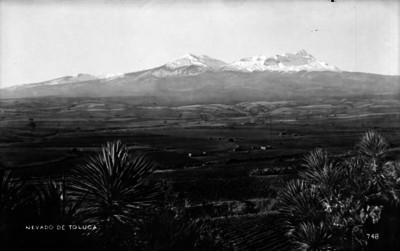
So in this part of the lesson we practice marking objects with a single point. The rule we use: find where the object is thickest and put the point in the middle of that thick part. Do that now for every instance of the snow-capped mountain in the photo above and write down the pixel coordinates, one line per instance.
(288, 62)
(190, 59)
(110, 76)
(70, 79)
(189, 65)
(193, 79)
(80, 77)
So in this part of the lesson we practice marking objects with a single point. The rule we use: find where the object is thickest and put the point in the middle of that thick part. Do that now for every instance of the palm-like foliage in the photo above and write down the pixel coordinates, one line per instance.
(11, 189)
(382, 177)
(12, 199)
(115, 192)
(316, 159)
(51, 204)
(309, 236)
(374, 147)
(339, 194)
(7, 199)
(47, 205)
(355, 178)
(6, 190)
(322, 170)
(299, 201)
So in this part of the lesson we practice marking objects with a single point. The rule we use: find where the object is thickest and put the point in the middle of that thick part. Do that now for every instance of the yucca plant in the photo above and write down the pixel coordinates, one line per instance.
(52, 205)
(11, 189)
(382, 177)
(7, 200)
(13, 199)
(355, 180)
(374, 147)
(342, 194)
(47, 205)
(299, 201)
(7, 190)
(322, 170)
(116, 193)
(309, 236)
(316, 159)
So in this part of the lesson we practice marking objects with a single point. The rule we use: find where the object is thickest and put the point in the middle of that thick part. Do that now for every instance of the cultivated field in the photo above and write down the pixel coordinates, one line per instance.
(223, 160)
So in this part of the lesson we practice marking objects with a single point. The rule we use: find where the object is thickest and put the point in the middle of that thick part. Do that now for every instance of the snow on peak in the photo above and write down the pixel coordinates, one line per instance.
(286, 62)
(188, 65)
(185, 60)
(79, 77)
(110, 76)
(76, 78)
(259, 58)
(303, 52)
(190, 59)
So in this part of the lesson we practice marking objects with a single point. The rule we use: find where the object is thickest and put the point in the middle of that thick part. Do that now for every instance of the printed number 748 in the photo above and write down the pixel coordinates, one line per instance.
(373, 236)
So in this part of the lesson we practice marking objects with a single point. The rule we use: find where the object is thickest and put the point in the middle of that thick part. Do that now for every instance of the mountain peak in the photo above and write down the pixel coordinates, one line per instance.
(185, 60)
(303, 52)
(287, 62)
(187, 55)
(189, 64)
(254, 59)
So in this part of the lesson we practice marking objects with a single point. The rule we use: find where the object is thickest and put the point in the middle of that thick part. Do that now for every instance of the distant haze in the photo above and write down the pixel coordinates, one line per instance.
(42, 40)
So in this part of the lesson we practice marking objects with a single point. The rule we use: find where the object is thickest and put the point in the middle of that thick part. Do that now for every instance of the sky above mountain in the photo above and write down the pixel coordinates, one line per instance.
(43, 40)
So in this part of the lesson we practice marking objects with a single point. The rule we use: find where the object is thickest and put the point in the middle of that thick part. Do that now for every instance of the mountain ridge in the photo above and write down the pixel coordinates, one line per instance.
(190, 64)
(201, 79)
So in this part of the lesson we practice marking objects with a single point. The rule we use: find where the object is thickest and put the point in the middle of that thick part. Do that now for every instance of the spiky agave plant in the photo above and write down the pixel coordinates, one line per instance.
(12, 199)
(382, 177)
(342, 194)
(299, 199)
(299, 202)
(314, 206)
(8, 190)
(116, 193)
(48, 206)
(51, 204)
(374, 147)
(322, 170)
(309, 236)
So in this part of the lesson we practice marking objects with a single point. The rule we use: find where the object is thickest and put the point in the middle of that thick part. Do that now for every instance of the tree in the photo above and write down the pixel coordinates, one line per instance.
(116, 194)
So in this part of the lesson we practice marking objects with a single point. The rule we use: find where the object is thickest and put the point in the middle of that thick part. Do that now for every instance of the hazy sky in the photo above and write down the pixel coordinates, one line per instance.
(41, 40)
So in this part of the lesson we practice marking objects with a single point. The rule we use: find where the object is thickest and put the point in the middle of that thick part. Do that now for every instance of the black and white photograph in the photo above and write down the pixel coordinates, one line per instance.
(199, 125)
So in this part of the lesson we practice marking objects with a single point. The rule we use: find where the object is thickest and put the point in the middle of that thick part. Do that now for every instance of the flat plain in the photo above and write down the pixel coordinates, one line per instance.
(216, 146)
